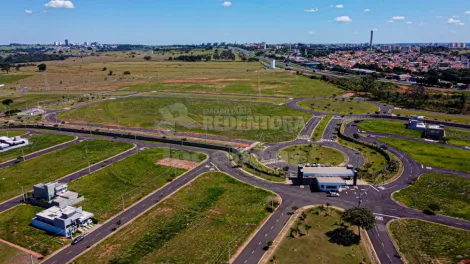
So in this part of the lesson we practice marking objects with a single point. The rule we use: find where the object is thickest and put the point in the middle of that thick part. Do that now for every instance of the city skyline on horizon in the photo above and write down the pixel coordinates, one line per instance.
(181, 22)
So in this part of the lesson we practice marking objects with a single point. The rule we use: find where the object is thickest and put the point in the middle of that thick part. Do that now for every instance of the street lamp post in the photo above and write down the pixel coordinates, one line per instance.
(22, 192)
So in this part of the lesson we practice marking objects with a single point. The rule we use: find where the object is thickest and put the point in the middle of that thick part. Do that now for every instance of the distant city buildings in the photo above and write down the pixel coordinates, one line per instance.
(66, 42)
(457, 45)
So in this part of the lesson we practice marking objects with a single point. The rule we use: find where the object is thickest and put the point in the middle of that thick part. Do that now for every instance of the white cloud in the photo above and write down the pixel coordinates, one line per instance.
(398, 18)
(227, 3)
(27, 11)
(455, 16)
(421, 24)
(390, 21)
(467, 12)
(355, 33)
(455, 21)
(409, 22)
(60, 4)
(343, 19)
(339, 6)
(312, 10)
(311, 32)
(453, 31)
(367, 10)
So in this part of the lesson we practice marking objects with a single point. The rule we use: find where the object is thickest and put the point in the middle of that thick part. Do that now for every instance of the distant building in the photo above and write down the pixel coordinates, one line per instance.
(417, 123)
(272, 64)
(56, 43)
(436, 132)
(457, 45)
(62, 221)
(371, 39)
(66, 42)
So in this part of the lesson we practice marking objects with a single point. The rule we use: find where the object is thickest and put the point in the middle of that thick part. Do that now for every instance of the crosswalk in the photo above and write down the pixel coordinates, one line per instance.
(304, 137)
(327, 140)
(271, 161)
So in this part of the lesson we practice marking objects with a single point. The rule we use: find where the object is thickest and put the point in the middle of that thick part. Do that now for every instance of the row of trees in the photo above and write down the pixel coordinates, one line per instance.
(30, 57)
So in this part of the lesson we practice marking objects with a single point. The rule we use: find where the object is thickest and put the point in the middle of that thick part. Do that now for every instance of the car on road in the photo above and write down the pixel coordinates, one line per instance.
(467, 147)
(77, 239)
(332, 194)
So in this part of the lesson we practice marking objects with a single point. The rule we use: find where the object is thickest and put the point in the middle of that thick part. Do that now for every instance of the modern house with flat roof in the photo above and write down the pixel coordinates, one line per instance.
(436, 132)
(54, 194)
(7, 143)
(417, 123)
(62, 221)
(327, 178)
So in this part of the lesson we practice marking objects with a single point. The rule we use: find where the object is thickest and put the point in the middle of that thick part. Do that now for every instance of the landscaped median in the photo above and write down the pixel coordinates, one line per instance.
(438, 193)
(433, 155)
(313, 154)
(55, 165)
(320, 128)
(194, 225)
(425, 242)
(36, 143)
(338, 106)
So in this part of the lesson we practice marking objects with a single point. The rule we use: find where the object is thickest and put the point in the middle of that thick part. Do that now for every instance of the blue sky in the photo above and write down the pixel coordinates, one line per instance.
(197, 21)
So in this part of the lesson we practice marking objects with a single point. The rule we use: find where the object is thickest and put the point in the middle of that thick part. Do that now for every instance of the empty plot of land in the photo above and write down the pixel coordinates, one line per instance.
(36, 143)
(195, 225)
(269, 123)
(434, 116)
(424, 242)
(130, 179)
(55, 165)
(338, 106)
(181, 164)
(12, 255)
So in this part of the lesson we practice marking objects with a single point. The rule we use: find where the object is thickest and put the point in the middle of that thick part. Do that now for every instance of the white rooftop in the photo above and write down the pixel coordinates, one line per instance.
(328, 172)
(331, 180)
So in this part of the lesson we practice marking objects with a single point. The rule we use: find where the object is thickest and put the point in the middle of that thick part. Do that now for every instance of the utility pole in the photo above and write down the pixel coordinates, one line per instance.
(22, 192)
(31, 255)
(87, 159)
(22, 153)
(122, 198)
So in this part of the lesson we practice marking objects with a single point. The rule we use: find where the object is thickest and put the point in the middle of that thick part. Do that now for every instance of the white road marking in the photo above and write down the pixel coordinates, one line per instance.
(391, 216)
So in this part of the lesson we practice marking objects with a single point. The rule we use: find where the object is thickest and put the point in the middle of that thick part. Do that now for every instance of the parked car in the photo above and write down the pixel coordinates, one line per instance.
(467, 147)
(77, 239)
(333, 194)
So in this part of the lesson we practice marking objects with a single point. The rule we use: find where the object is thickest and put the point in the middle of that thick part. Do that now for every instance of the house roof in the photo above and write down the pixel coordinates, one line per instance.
(331, 180)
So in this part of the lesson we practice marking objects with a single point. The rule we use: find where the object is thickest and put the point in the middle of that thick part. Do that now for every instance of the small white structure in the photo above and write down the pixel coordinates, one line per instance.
(272, 64)
(32, 112)
(7, 143)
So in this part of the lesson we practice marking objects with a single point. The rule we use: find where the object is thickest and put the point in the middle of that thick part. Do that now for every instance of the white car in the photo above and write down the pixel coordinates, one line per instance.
(333, 194)
(467, 147)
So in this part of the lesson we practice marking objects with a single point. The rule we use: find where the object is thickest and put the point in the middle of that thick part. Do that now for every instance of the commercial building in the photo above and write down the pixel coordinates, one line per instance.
(66, 42)
(62, 221)
(272, 64)
(327, 178)
(436, 132)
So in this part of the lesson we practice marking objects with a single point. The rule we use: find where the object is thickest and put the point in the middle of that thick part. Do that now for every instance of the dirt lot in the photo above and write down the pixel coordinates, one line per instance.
(180, 164)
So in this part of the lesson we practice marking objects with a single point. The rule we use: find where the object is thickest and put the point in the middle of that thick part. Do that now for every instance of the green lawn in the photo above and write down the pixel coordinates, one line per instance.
(195, 225)
(309, 154)
(252, 165)
(316, 246)
(388, 127)
(450, 192)
(5, 79)
(235, 79)
(434, 116)
(21, 101)
(320, 129)
(55, 165)
(135, 177)
(253, 98)
(36, 143)
(458, 137)
(11, 255)
(425, 242)
(338, 106)
(433, 155)
(373, 161)
(12, 133)
(265, 122)
(17, 229)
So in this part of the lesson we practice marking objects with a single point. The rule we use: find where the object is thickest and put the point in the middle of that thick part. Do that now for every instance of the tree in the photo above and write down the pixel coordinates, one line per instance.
(7, 103)
(6, 67)
(147, 58)
(360, 217)
(434, 207)
(110, 73)
(307, 227)
(42, 67)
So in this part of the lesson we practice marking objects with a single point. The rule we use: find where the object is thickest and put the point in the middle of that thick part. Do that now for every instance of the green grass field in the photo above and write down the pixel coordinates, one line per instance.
(458, 137)
(195, 225)
(312, 154)
(134, 178)
(450, 192)
(262, 171)
(12, 133)
(277, 83)
(433, 155)
(36, 143)
(17, 229)
(55, 165)
(254, 98)
(316, 247)
(6, 79)
(388, 127)
(21, 101)
(434, 116)
(320, 129)
(12, 255)
(425, 242)
(373, 160)
(338, 106)
(268, 123)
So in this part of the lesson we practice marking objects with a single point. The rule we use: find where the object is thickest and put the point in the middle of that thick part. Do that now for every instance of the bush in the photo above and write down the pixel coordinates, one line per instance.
(127, 73)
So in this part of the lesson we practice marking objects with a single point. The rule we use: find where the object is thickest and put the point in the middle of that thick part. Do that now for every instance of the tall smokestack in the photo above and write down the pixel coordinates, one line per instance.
(371, 39)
